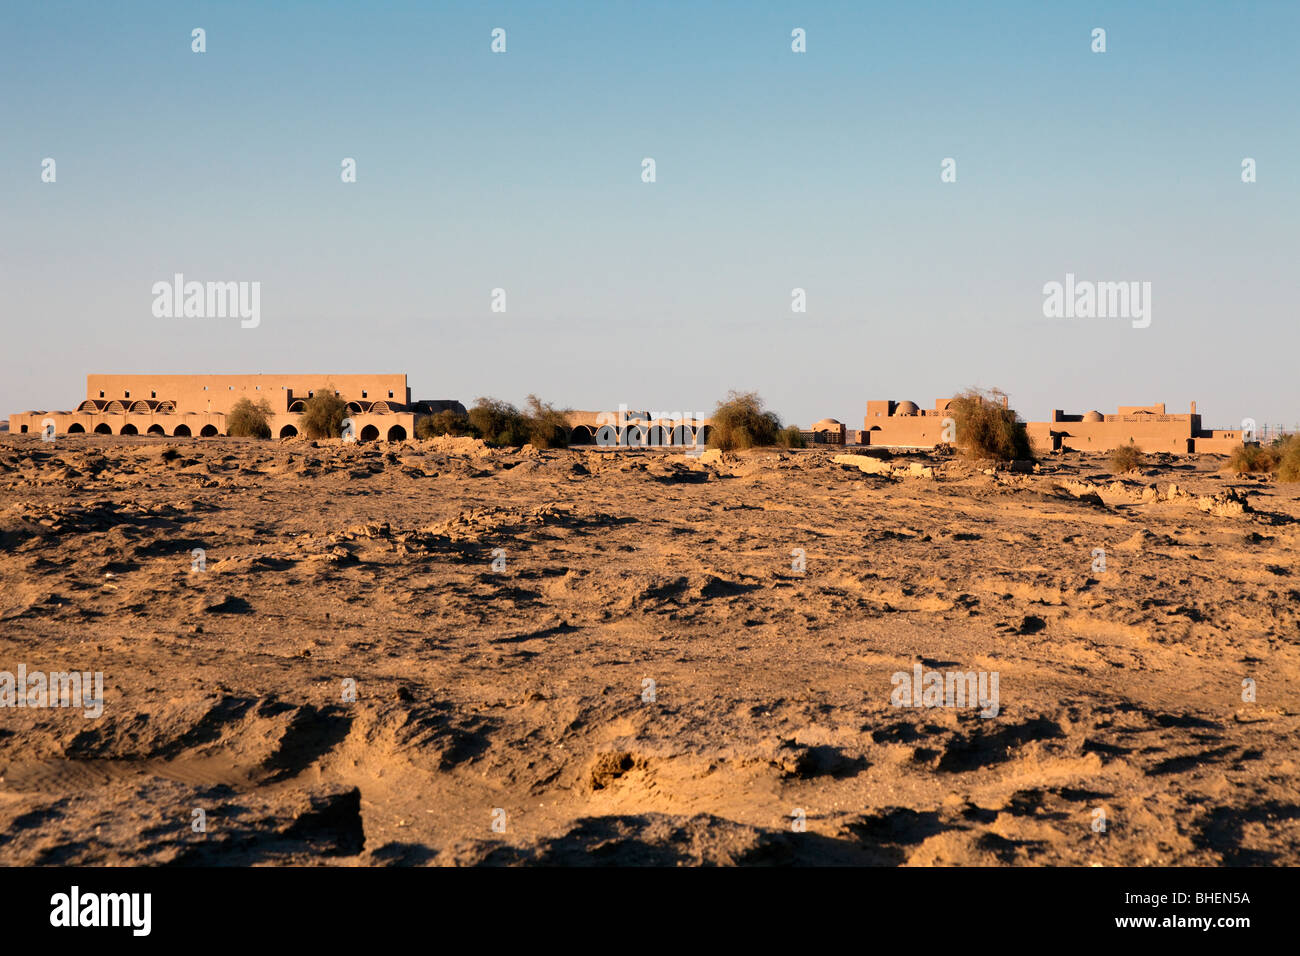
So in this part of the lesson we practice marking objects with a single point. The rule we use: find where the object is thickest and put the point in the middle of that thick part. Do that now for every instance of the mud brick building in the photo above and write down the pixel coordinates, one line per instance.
(903, 425)
(380, 405)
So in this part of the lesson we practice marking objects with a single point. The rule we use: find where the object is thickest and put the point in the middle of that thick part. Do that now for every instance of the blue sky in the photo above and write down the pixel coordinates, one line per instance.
(775, 170)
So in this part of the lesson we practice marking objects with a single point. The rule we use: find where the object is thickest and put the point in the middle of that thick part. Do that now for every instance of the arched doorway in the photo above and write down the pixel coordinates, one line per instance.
(657, 435)
(581, 435)
(682, 435)
(208, 431)
(634, 436)
(607, 436)
(155, 429)
(76, 429)
(129, 429)
(369, 433)
(288, 431)
(182, 431)
(103, 428)
(397, 433)
(702, 436)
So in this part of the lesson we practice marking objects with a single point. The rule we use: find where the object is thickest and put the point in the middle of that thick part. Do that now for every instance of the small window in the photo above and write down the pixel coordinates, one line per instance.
(153, 394)
(205, 388)
(364, 394)
(390, 393)
(101, 393)
(257, 388)
(311, 394)
(126, 394)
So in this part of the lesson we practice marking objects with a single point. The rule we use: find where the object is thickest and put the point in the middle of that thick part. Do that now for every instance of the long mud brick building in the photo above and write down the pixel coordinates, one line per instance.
(637, 429)
(380, 406)
(1149, 427)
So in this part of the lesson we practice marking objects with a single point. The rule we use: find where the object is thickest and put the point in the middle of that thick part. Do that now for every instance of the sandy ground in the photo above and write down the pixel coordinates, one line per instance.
(519, 698)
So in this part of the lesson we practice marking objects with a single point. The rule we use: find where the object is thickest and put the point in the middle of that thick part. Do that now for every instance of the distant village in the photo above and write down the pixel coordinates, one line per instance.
(380, 408)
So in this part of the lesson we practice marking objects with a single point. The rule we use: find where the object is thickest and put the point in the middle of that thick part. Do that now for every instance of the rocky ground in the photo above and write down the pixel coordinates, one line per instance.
(584, 657)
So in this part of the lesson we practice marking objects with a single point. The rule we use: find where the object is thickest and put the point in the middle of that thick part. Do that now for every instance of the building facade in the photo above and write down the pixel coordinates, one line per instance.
(379, 405)
(628, 428)
(903, 425)
(1150, 427)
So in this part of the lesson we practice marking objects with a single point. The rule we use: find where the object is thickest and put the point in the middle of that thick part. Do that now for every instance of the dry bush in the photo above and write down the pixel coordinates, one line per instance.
(323, 413)
(1127, 458)
(1253, 458)
(740, 422)
(248, 420)
(499, 423)
(1287, 452)
(548, 427)
(988, 429)
(791, 437)
(446, 422)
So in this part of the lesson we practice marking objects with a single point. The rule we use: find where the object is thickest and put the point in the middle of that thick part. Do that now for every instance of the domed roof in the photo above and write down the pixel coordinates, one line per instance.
(906, 408)
(826, 423)
(1093, 416)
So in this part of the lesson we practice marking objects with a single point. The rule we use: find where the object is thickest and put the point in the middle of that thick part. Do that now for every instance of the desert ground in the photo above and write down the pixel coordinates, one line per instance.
(505, 715)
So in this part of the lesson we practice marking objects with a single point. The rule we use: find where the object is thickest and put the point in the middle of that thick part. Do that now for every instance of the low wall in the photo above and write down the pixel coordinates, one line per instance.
(920, 431)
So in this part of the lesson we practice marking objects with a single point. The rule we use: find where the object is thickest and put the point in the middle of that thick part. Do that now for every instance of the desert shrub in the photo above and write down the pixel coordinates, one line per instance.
(1287, 453)
(323, 413)
(548, 427)
(1127, 458)
(499, 423)
(791, 437)
(988, 429)
(446, 422)
(248, 420)
(1282, 458)
(1252, 457)
(740, 422)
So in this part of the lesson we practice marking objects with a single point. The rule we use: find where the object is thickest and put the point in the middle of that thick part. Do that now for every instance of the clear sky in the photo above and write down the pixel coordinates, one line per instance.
(775, 170)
